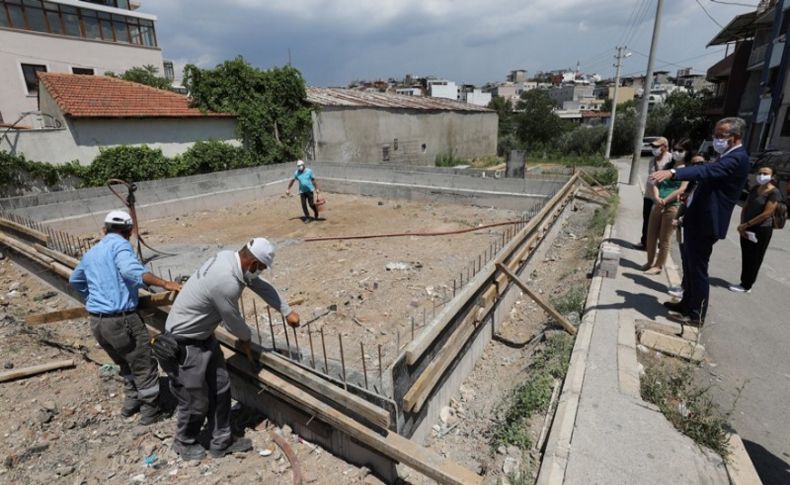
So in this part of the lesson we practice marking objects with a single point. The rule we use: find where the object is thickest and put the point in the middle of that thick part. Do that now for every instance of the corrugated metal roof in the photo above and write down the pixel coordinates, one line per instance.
(360, 99)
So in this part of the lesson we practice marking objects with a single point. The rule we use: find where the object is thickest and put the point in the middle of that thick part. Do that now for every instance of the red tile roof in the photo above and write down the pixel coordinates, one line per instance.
(82, 96)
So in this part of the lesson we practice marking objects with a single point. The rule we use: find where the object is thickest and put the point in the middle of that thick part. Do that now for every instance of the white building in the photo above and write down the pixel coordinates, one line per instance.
(70, 36)
(475, 96)
(441, 88)
(409, 91)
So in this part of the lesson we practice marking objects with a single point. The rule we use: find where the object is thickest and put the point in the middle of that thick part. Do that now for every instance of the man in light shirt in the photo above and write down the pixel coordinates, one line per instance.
(199, 379)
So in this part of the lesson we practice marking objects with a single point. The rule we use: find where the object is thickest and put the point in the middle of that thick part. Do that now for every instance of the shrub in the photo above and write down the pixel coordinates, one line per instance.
(584, 140)
(449, 160)
(17, 174)
(212, 156)
(130, 163)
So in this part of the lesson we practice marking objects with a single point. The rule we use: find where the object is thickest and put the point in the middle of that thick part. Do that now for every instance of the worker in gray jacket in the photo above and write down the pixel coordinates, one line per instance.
(199, 379)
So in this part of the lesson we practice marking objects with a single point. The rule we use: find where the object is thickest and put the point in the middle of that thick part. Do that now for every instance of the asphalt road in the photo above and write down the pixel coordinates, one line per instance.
(747, 339)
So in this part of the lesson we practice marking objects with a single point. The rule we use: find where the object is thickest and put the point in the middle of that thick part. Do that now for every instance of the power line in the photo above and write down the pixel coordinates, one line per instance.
(640, 19)
(631, 19)
(734, 4)
(708, 14)
(676, 63)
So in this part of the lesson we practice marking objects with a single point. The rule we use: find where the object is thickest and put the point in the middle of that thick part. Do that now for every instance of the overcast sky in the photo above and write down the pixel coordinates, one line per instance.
(334, 42)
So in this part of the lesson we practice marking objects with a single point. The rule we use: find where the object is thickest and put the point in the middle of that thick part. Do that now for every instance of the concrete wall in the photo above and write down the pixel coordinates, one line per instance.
(84, 209)
(361, 135)
(80, 138)
(58, 54)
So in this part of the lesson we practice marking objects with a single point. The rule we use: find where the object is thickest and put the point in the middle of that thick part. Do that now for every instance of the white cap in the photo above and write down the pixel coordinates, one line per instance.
(263, 250)
(300, 163)
(118, 218)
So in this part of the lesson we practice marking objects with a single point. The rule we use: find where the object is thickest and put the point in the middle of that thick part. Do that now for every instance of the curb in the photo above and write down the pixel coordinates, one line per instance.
(740, 468)
(555, 458)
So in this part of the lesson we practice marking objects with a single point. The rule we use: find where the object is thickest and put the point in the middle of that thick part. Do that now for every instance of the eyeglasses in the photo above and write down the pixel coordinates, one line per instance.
(722, 136)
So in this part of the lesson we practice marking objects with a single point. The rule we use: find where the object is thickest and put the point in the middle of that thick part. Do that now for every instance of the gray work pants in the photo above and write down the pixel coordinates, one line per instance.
(201, 385)
(125, 339)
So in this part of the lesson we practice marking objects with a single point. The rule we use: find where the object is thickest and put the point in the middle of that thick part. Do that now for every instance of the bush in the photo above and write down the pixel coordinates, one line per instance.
(130, 163)
(449, 160)
(212, 156)
(584, 140)
(17, 174)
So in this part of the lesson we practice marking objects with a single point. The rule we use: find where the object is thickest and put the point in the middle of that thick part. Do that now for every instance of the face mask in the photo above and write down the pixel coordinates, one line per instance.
(720, 145)
(763, 179)
(251, 275)
(678, 155)
(656, 152)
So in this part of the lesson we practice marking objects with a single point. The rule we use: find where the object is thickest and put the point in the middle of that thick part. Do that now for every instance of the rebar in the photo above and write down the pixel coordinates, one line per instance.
(381, 371)
(312, 351)
(342, 360)
(170, 277)
(285, 331)
(397, 340)
(255, 313)
(364, 365)
(241, 302)
(323, 346)
(296, 343)
(271, 327)
(412, 327)
(453, 287)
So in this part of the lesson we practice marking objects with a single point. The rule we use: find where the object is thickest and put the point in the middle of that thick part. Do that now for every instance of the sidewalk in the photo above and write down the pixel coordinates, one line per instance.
(603, 432)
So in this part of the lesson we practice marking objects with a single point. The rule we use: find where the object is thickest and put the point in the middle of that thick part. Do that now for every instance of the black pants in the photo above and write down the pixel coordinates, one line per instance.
(308, 198)
(201, 385)
(647, 206)
(697, 250)
(752, 254)
(125, 339)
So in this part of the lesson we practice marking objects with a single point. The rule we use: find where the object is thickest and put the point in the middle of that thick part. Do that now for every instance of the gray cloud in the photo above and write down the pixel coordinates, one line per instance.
(335, 41)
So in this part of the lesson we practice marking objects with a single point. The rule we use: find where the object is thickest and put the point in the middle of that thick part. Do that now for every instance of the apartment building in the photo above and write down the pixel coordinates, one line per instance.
(67, 36)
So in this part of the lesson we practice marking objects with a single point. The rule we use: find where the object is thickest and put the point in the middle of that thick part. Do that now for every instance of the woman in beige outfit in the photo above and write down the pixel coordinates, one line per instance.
(666, 198)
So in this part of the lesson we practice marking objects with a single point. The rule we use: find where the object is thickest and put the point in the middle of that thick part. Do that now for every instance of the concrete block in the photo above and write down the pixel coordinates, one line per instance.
(668, 327)
(607, 268)
(675, 346)
(740, 467)
(610, 251)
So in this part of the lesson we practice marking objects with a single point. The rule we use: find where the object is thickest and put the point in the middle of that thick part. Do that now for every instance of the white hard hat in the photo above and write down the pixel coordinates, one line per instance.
(118, 218)
(263, 250)
(300, 163)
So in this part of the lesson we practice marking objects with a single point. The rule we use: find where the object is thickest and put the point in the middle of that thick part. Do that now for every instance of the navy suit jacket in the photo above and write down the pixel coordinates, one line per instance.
(719, 186)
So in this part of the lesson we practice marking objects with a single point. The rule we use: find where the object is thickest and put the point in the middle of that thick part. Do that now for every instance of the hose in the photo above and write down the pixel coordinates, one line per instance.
(129, 202)
(419, 234)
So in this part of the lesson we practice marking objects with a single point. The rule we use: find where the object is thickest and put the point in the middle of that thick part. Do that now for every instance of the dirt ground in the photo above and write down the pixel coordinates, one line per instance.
(377, 285)
(464, 435)
(65, 426)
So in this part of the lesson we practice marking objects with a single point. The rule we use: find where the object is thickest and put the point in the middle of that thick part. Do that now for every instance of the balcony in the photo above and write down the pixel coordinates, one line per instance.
(757, 57)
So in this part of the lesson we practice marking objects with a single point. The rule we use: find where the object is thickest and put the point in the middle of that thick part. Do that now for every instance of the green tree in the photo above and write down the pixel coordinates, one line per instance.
(536, 122)
(143, 75)
(506, 132)
(273, 115)
(687, 118)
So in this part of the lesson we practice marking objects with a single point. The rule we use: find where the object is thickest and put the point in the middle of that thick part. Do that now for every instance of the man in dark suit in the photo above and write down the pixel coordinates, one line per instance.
(709, 210)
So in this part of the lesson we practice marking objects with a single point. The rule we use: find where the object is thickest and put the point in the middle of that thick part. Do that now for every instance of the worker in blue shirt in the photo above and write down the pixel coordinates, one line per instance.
(109, 277)
(307, 188)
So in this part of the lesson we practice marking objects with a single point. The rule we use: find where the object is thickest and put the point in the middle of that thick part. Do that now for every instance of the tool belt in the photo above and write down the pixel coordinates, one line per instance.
(166, 348)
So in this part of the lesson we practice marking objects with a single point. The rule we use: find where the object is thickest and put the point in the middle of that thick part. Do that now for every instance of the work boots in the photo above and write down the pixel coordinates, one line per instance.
(189, 452)
(151, 413)
(130, 407)
(239, 445)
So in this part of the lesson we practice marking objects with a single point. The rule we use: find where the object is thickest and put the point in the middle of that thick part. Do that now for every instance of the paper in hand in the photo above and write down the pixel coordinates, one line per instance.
(751, 236)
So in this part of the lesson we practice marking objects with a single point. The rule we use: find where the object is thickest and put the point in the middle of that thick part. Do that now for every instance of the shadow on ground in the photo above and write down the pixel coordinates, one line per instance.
(772, 469)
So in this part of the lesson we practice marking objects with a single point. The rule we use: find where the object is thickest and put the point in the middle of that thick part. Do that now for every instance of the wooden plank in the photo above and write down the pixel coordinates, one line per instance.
(539, 300)
(419, 345)
(36, 369)
(38, 235)
(388, 443)
(280, 364)
(419, 391)
(150, 300)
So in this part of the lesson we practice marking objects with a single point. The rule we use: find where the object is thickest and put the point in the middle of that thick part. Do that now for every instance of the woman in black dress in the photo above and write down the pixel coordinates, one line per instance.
(756, 226)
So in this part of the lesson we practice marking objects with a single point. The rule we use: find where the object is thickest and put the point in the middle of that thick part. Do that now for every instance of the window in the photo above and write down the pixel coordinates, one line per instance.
(16, 15)
(53, 18)
(121, 30)
(4, 22)
(105, 26)
(385, 153)
(86, 71)
(35, 16)
(90, 25)
(31, 80)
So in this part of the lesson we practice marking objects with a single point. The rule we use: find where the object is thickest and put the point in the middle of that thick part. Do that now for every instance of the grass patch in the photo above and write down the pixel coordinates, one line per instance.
(687, 406)
(572, 300)
(532, 397)
(602, 216)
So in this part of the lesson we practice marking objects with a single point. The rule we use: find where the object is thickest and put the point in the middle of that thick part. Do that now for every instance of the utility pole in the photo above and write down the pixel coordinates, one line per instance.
(620, 56)
(633, 178)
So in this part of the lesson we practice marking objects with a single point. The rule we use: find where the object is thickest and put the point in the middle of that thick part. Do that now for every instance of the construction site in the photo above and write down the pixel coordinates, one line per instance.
(424, 293)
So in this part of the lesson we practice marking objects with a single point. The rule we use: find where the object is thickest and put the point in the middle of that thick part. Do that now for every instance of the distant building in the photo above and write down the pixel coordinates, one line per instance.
(583, 104)
(472, 95)
(570, 92)
(70, 36)
(441, 88)
(624, 93)
(517, 76)
(409, 91)
(87, 113)
(356, 127)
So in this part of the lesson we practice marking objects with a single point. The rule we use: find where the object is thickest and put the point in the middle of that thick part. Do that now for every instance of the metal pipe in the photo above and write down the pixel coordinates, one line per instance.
(296, 342)
(312, 351)
(285, 331)
(255, 312)
(381, 371)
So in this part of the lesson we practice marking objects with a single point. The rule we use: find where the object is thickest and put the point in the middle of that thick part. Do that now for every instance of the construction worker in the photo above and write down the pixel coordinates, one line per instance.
(199, 379)
(109, 277)
(308, 187)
